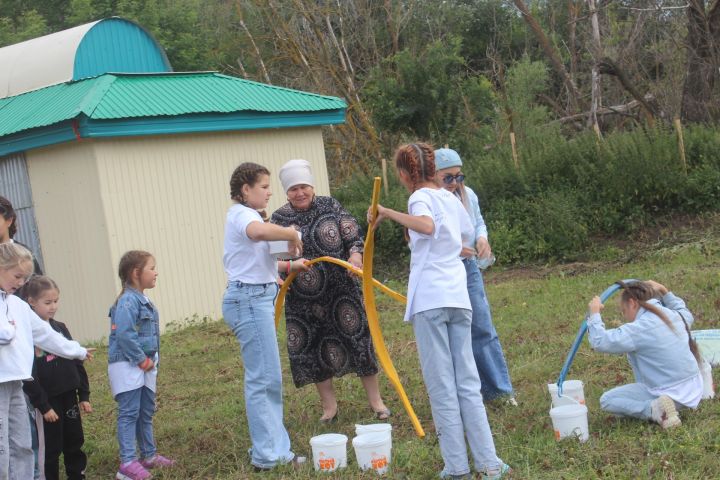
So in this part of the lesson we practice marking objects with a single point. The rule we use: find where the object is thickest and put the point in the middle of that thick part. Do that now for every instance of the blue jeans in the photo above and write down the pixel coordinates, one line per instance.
(16, 455)
(632, 400)
(248, 309)
(489, 358)
(135, 411)
(34, 440)
(453, 385)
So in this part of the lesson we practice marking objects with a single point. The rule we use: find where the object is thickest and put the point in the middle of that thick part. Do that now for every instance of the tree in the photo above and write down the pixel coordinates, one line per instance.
(701, 93)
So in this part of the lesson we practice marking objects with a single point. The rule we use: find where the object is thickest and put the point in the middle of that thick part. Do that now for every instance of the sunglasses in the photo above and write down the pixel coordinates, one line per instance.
(449, 179)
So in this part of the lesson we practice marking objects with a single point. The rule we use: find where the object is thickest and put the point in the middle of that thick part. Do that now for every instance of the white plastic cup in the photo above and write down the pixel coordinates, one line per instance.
(485, 262)
(329, 451)
(570, 421)
(373, 451)
(572, 393)
(280, 249)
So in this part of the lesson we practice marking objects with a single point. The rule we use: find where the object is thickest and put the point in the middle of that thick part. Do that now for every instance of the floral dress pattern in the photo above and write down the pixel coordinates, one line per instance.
(327, 330)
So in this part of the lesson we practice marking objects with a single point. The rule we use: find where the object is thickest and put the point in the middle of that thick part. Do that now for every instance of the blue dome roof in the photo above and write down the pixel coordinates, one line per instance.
(110, 45)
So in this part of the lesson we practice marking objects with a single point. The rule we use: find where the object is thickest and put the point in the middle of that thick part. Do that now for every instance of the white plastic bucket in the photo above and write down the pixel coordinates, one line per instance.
(373, 428)
(373, 451)
(572, 393)
(329, 451)
(570, 421)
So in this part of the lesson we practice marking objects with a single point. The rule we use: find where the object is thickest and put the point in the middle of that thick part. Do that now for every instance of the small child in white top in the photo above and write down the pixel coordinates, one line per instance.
(20, 328)
(439, 308)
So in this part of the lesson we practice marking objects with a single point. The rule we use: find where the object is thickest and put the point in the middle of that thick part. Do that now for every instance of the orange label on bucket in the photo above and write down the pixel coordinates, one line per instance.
(557, 434)
(379, 462)
(327, 463)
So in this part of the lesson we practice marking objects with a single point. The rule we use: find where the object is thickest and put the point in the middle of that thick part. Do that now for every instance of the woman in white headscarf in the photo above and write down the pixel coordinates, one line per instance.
(327, 330)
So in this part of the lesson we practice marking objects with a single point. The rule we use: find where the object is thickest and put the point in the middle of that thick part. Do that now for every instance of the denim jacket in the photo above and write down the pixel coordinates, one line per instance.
(659, 357)
(134, 328)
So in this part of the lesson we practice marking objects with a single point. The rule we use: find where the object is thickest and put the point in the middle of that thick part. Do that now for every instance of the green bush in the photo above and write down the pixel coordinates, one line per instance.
(549, 226)
(568, 190)
(390, 245)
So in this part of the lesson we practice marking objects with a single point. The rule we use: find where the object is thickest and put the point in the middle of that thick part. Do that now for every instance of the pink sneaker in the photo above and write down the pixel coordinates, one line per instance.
(132, 471)
(157, 461)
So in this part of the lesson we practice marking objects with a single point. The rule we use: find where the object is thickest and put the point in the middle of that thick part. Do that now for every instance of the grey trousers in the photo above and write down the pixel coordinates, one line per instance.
(16, 455)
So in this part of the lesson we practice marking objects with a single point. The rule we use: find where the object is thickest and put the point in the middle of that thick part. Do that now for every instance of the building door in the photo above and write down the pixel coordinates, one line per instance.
(15, 186)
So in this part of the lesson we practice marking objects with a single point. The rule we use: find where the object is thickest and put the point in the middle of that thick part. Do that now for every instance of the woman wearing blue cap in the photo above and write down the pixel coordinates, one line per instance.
(489, 358)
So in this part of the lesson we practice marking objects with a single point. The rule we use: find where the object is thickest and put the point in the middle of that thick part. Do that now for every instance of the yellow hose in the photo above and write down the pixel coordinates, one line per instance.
(280, 301)
(374, 322)
(368, 282)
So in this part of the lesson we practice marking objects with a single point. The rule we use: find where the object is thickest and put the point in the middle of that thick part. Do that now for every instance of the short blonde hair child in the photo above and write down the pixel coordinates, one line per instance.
(13, 255)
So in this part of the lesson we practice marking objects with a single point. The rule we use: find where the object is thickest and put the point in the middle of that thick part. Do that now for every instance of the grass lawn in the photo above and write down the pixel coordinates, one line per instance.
(201, 418)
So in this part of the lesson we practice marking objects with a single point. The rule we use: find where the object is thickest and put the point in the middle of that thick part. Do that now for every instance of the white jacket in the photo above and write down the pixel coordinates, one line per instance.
(16, 357)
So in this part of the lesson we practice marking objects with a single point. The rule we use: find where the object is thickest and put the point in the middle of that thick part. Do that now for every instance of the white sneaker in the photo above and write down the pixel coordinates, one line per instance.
(497, 474)
(663, 411)
(511, 402)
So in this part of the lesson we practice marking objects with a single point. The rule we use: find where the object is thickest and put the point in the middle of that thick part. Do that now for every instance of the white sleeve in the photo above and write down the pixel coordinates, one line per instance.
(53, 342)
(419, 205)
(243, 218)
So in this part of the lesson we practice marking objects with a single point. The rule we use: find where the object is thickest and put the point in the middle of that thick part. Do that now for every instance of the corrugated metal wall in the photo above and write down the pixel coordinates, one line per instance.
(15, 186)
(166, 194)
(68, 207)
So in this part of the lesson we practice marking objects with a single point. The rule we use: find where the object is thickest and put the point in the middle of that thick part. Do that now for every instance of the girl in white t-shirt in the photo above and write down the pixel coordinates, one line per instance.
(248, 309)
(439, 308)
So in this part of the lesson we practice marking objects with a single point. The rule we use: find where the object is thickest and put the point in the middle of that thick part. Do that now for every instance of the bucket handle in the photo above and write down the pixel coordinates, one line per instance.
(560, 395)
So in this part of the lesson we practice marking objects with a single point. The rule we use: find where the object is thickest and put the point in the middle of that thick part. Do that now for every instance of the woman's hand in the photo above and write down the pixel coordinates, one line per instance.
(483, 247)
(356, 260)
(295, 245)
(595, 305)
(90, 353)
(85, 407)
(658, 288)
(467, 252)
(50, 416)
(300, 265)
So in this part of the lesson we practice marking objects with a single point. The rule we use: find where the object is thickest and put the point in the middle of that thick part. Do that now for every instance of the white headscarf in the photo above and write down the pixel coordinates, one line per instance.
(296, 172)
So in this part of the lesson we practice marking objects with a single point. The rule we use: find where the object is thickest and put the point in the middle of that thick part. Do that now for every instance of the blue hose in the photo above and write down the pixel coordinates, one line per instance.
(581, 333)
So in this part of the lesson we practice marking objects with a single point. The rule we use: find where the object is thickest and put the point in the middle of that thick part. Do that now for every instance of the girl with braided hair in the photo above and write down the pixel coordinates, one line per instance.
(438, 306)
(248, 309)
(663, 356)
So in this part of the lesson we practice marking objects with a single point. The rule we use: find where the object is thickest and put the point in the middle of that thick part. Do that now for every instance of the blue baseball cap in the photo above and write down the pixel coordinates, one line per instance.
(446, 158)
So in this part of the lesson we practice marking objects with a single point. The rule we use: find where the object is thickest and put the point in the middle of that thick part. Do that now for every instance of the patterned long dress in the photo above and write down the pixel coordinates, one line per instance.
(327, 330)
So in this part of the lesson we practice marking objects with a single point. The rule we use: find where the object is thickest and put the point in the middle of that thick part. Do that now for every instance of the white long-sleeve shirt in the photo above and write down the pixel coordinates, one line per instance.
(16, 357)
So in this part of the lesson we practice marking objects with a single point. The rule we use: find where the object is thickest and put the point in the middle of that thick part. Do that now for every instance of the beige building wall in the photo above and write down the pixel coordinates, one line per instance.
(164, 194)
(73, 234)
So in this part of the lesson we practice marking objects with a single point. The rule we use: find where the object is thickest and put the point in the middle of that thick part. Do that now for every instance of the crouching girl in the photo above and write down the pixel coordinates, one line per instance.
(663, 356)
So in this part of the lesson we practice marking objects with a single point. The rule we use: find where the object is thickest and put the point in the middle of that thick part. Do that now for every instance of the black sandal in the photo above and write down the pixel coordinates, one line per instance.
(383, 414)
(328, 421)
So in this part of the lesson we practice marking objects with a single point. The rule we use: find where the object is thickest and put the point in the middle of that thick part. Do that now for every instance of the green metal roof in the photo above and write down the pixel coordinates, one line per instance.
(112, 97)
